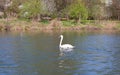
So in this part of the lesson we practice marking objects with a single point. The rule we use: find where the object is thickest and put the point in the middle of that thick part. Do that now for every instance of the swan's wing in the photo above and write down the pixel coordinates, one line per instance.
(70, 45)
(67, 46)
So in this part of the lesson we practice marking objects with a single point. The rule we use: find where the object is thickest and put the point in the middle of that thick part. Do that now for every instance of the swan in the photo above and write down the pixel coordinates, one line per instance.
(67, 47)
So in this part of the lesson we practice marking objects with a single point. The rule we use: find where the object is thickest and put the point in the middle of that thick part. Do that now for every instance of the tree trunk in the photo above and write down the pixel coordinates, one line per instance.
(79, 20)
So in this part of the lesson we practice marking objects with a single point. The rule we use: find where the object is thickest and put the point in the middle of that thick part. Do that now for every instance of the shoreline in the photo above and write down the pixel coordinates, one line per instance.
(15, 25)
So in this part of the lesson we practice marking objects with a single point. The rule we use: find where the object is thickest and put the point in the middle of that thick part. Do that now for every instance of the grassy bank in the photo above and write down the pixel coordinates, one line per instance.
(27, 25)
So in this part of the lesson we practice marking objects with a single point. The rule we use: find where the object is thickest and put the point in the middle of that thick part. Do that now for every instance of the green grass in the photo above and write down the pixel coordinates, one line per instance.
(69, 23)
(23, 19)
(118, 26)
(45, 22)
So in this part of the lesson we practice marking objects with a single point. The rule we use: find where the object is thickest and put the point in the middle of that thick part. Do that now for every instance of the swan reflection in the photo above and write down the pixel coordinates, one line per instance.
(65, 51)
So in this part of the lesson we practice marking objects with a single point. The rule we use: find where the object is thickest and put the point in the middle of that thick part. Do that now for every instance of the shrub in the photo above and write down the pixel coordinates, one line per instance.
(78, 10)
(31, 8)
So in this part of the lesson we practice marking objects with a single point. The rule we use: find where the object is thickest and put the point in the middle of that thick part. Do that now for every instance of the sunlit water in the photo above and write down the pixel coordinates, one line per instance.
(38, 54)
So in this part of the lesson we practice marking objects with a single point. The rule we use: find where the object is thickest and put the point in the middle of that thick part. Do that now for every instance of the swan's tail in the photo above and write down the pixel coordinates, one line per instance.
(73, 47)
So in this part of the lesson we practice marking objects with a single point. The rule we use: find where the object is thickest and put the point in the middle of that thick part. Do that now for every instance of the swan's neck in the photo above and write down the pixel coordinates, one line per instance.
(60, 41)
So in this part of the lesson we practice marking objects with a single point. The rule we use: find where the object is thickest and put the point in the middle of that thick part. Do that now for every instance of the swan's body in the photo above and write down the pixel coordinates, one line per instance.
(67, 47)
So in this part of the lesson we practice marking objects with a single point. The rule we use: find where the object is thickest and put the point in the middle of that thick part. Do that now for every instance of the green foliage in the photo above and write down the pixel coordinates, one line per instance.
(24, 19)
(45, 22)
(31, 8)
(118, 26)
(69, 23)
(82, 9)
(78, 10)
(98, 12)
(14, 6)
(85, 21)
(96, 9)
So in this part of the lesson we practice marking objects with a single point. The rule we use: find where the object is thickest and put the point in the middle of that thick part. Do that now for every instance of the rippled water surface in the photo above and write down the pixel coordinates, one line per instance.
(38, 54)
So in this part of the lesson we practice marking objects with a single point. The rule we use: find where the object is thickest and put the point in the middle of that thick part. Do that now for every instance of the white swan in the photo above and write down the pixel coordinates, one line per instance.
(67, 47)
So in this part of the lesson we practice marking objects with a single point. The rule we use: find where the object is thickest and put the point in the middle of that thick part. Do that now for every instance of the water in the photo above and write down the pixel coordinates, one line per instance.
(38, 54)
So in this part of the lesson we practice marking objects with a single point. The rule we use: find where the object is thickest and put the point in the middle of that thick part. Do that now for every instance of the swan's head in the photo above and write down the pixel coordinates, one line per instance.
(61, 36)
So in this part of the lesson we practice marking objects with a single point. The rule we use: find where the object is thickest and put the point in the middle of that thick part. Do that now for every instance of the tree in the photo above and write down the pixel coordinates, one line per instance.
(116, 9)
(78, 10)
(13, 9)
(31, 9)
(96, 9)
(49, 7)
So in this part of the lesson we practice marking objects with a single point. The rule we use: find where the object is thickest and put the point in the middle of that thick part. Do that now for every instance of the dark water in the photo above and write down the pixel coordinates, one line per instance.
(38, 54)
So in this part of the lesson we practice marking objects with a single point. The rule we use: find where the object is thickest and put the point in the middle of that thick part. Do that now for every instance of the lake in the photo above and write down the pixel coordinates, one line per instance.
(29, 53)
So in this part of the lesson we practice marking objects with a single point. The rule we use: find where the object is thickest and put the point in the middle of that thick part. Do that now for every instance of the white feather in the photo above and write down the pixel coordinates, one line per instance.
(65, 47)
